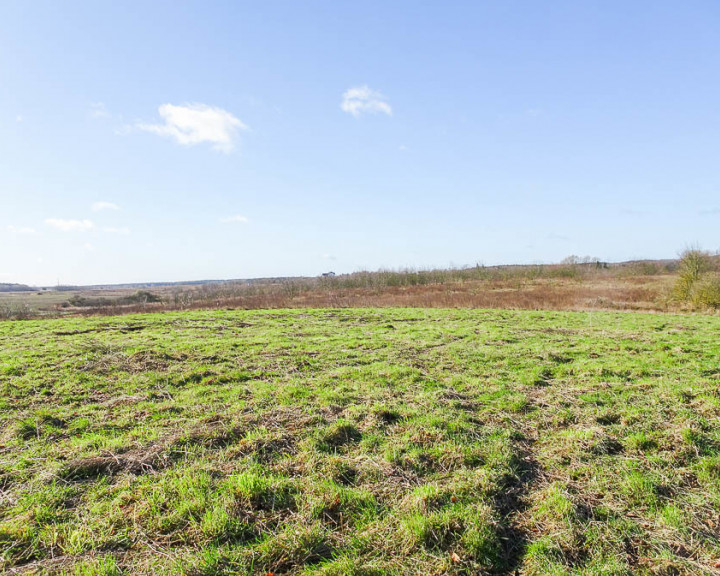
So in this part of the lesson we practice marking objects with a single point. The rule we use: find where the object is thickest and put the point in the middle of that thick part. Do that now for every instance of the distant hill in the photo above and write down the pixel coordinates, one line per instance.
(637, 266)
(181, 283)
(16, 288)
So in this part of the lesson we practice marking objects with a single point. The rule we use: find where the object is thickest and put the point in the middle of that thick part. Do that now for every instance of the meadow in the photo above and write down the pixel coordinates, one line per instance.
(361, 442)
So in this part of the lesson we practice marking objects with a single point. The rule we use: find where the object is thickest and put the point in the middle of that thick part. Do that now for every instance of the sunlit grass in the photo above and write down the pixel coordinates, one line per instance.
(360, 442)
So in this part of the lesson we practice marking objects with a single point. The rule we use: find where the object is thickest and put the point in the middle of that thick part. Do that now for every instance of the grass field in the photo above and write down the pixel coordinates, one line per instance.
(361, 442)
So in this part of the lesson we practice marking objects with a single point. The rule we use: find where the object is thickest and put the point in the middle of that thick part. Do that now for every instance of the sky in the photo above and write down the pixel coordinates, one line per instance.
(173, 140)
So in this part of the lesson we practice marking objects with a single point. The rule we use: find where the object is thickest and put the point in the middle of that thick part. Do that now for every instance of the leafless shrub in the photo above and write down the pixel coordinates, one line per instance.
(16, 312)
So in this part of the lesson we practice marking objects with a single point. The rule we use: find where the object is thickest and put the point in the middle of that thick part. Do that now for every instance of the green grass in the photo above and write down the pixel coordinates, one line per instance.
(361, 442)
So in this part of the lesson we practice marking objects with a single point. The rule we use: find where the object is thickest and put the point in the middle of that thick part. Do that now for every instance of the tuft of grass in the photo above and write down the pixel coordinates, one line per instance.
(337, 435)
(42, 423)
(103, 566)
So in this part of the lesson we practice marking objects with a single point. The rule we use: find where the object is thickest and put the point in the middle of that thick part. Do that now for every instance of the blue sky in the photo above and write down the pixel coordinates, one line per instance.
(157, 141)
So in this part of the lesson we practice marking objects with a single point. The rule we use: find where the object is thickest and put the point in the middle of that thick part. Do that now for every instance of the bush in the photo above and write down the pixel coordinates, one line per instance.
(16, 312)
(695, 284)
(141, 297)
(707, 293)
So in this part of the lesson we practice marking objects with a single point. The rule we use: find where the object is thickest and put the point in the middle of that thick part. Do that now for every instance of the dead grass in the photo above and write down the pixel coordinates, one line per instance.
(646, 293)
(155, 456)
(631, 286)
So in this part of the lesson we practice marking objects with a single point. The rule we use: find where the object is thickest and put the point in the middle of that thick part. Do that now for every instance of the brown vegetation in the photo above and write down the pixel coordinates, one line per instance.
(572, 285)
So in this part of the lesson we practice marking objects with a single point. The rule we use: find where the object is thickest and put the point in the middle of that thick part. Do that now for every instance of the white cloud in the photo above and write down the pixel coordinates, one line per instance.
(235, 218)
(20, 230)
(124, 231)
(100, 206)
(89, 247)
(98, 111)
(362, 99)
(19, 118)
(192, 124)
(70, 225)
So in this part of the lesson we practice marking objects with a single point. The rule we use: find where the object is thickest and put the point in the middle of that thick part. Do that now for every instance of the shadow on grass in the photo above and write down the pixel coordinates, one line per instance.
(511, 503)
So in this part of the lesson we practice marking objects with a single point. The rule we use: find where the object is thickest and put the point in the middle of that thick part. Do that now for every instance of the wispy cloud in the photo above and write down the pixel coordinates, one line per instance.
(557, 237)
(236, 218)
(633, 212)
(710, 212)
(19, 118)
(191, 124)
(20, 230)
(362, 99)
(122, 230)
(100, 206)
(70, 225)
(98, 111)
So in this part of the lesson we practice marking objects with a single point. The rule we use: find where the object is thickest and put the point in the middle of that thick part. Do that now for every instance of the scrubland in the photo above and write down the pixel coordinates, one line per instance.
(646, 285)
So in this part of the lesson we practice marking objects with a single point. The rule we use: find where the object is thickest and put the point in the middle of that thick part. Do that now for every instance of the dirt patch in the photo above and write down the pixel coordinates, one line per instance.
(145, 460)
(75, 332)
(132, 328)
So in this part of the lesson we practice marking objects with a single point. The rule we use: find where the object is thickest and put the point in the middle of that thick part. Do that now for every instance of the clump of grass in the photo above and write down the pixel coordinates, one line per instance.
(640, 441)
(604, 444)
(337, 435)
(103, 566)
(540, 376)
(471, 530)
(341, 471)
(42, 423)
(261, 491)
(295, 547)
(387, 416)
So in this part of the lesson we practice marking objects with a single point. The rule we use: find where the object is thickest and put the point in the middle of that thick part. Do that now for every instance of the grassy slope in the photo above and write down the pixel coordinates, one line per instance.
(361, 442)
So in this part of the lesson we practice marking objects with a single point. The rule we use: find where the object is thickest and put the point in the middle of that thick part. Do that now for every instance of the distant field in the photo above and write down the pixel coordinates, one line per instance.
(555, 287)
(36, 300)
(47, 302)
(361, 442)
